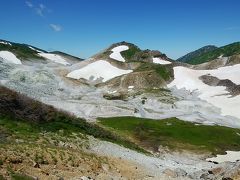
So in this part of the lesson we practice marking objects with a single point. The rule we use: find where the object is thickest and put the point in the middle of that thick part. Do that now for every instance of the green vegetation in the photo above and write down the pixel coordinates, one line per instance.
(164, 71)
(26, 118)
(197, 53)
(18, 176)
(64, 126)
(229, 50)
(174, 134)
(21, 51)
(129, 54)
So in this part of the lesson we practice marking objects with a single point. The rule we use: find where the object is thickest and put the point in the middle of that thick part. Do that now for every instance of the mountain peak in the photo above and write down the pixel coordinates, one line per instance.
(197, 53)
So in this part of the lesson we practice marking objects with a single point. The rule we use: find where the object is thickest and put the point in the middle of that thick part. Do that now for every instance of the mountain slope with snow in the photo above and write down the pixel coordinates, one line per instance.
(117, 53)
(9, 57)
(99, 70)
(189, 79)
(55, 58)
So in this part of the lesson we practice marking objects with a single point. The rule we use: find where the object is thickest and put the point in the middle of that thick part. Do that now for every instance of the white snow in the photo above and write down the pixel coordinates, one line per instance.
(216, 95)
(6, 43)
(161, 61)
(99, 69)
(34, 49)
(231, 156)
(130, 87)
(9, 57)
(228, 72)
(117, 53)
(55, 58)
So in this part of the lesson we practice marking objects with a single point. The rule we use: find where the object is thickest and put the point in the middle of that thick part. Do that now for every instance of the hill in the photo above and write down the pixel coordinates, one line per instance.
(197, 53)
(224, 51)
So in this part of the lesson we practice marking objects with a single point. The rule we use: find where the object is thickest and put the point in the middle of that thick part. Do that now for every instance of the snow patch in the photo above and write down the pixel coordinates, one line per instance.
(188, 79)
(55, 58)
(161, 61)
(117, 53)
(5, 43)
(34, 49)
(231, 156)
(130, 87)
(99, 69)
(228, 72)
(9, 57)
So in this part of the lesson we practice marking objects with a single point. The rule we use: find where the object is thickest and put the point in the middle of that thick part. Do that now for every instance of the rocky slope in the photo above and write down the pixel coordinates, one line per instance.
(122, 80)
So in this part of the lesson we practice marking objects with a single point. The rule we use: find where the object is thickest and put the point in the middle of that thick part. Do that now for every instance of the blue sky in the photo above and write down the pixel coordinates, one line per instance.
(84, 27)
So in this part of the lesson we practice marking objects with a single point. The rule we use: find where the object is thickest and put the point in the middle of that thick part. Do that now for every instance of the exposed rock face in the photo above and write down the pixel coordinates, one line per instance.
(139, 80)
(231, 87)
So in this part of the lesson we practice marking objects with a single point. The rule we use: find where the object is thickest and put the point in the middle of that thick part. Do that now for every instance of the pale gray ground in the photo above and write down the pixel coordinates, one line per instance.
(47, 83)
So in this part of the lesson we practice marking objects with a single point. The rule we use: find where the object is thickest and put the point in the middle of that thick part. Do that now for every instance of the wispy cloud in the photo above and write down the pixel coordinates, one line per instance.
(29, 4)
(56, 27)
(41, 9)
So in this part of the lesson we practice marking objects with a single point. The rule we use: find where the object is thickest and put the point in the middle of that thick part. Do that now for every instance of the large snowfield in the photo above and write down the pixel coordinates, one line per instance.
(215, 95)
(160, 61)
(9, 57)
(117, 53)
(97, 70)
(55, 58)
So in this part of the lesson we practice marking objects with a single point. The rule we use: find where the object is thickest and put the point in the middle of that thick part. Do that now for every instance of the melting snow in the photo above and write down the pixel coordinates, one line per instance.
(231, 156)
(6, 43)
(117, 53)
(98, 69)
(215, 95)
(55, 58)
(228, 72)
(161, 61)
(34, 49)
(9, 57)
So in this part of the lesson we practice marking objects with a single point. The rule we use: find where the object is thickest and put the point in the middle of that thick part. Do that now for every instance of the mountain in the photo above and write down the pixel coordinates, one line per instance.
(16, 53)
(22, 51)
(125, 65)
(224, 51)
(124, 109)
(197, 53)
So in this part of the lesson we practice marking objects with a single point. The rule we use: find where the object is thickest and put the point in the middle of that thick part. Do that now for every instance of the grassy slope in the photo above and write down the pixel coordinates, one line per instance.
(27, 116)
(128, 54)
(174, 134)
(164, 71)
(22, 51)
(229, 50)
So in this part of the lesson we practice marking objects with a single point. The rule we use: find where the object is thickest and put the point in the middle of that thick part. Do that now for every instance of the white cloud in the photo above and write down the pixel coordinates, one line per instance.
(56, 27)
(29, 4)
(41, 10)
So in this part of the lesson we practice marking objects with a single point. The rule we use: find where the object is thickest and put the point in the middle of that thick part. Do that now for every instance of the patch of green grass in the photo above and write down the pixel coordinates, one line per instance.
(129, 54)
(63, 126)
(174, 134)
(164, 71)
(18, 176)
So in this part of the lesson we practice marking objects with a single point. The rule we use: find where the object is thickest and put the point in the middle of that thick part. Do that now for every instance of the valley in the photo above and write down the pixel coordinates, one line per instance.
(64, 117)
